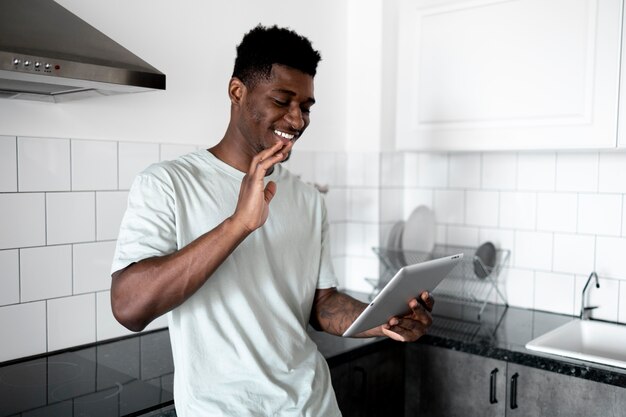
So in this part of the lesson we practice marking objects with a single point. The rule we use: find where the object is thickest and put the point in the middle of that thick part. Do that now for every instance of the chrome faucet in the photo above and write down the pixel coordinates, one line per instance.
(584, 310)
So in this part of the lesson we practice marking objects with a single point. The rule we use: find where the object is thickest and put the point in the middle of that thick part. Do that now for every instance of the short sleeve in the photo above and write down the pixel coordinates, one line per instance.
(327, 277)
(148, 228)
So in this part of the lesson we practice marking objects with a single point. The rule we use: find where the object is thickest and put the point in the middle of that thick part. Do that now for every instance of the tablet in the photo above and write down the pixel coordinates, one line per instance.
(408, 283)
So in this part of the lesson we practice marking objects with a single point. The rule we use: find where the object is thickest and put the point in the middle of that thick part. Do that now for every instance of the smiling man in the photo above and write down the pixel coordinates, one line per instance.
(235, 249)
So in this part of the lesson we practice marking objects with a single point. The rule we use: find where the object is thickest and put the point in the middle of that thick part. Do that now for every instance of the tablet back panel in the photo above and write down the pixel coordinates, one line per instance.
(408, 283)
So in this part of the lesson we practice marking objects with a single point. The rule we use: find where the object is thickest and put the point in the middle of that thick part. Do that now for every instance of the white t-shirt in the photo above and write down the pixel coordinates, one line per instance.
(240, 344)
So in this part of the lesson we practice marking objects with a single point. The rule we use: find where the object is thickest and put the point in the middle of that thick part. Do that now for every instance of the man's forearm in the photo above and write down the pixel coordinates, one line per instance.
(334, 312)
(149, 288)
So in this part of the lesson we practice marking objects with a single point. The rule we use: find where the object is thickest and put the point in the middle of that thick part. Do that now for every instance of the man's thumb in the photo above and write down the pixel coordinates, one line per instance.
(270, 190)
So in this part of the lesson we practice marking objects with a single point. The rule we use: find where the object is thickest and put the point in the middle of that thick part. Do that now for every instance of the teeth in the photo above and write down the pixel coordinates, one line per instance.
(284, 135)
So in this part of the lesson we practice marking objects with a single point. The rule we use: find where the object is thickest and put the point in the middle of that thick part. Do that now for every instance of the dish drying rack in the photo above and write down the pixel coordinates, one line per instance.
(460, 286)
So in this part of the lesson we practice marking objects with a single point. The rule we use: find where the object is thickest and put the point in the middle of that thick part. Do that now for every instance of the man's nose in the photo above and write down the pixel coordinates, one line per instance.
(295, 118)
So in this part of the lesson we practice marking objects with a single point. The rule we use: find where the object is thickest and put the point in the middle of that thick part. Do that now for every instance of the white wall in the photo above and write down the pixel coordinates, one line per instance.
(193, 43)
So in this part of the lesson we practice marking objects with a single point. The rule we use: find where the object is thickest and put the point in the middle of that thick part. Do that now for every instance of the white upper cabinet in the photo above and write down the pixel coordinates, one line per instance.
(508, 74)
(621, 127)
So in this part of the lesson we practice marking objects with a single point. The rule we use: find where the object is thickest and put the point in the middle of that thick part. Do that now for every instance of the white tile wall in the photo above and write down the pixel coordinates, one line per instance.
(77, 313)
(110, 208)
(24, 325)
(60, 210)
(134, 158)
(70, 217)
(43, 164)
(562, 215)
(170, 152)
(92, 266)
(94, 165)
(9, 277)
(22, 220)
(8, 164)
(45, 272)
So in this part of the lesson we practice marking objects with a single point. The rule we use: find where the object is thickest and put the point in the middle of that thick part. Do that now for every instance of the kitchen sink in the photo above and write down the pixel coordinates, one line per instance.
(588, 340)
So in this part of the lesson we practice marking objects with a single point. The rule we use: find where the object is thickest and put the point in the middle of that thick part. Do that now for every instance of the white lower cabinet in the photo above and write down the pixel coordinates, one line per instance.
(446, 383)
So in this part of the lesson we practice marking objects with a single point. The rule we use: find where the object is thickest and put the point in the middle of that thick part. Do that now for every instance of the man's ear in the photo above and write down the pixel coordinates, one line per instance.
(236, 91)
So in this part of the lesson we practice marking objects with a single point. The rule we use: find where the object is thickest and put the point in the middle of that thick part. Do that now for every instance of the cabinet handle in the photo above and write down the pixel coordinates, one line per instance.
(514, 391)
(492, 386)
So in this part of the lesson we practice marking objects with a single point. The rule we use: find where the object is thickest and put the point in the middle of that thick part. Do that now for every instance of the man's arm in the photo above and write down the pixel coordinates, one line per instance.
(333, 312)
(151, 287)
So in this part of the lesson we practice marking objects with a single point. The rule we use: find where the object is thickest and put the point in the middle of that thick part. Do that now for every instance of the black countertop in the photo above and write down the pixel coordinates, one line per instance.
(134, 375)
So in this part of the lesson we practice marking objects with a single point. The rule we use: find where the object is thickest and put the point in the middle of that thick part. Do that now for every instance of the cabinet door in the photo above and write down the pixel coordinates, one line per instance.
(504, 75)
(371, 385)
(543, 393)
(447, 383)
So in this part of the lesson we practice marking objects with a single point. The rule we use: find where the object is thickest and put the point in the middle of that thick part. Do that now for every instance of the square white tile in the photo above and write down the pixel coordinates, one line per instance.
(391, 204)
(610, 260)
(302, 164)
(71, 321)
(357, 269)
(464, 170)
(363, 205)
(169, 152)
(22, 220)
(8, 164)
(45, 272)
(449, 206)
(432, 170)
(499, 171)
(110, 208)
(337, 204)
(482, 208)
(9, 277)
(325, 168)
(355, 237)
(518, 210)
(92, 266)
(94, 165)
(612, 175)
(27, 335)
(134, 158)
(339, 265)
(600, 214)
(577, 172)
(573, 253)
(107, 327)
(533, 250)
(536, 171)
(557, 212)
(411, 170)
(363, 169)
(71, 217)
(554, 292)
(519, 287)
(43, 164)
(391, 169)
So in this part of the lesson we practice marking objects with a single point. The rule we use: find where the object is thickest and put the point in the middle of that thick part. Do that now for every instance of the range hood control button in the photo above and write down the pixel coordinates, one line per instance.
(37, 64)
(27, 63)
(47, 66)
(16, 61)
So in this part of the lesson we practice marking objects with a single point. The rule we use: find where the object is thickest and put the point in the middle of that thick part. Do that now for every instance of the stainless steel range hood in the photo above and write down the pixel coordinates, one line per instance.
(49, 54)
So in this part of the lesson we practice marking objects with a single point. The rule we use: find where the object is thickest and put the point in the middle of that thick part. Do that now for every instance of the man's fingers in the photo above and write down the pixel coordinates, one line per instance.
(264, 160)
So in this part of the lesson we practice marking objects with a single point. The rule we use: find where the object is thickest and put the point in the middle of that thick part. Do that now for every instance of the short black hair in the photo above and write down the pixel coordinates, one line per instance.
(264, 46)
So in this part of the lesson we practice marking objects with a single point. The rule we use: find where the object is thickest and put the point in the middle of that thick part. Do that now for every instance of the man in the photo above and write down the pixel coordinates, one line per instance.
(235, 248)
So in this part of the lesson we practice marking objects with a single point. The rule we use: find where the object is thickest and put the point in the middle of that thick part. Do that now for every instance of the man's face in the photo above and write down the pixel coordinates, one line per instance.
(276, 109)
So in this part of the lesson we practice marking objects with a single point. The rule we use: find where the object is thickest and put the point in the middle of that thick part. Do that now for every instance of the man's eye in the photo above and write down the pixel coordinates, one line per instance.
(281, 103)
